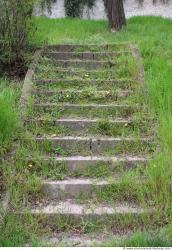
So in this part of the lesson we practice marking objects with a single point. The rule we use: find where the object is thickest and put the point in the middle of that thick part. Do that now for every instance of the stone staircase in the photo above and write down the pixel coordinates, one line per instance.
(88, 120)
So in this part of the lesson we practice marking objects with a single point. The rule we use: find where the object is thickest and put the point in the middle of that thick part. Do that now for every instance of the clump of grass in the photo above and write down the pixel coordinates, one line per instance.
(23, 182)
(9, 124)
(161, 238)
(17, 232)
(9, 121)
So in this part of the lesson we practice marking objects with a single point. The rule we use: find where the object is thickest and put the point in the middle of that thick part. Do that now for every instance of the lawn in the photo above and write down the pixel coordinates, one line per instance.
(153, 35)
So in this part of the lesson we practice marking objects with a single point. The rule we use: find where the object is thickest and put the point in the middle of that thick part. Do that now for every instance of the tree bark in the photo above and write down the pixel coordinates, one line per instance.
(116, 14)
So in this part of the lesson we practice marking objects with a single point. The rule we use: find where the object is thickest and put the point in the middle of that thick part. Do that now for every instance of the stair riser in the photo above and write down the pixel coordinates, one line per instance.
(81, 127)
(119, 221)
(97, 147)
(70, 191)
(87, 65)
(89, 73)
(84, 55)
(91, 48)
(82, 166)
(79, 84)
(86, 111)
(76, 97)
(84, 191)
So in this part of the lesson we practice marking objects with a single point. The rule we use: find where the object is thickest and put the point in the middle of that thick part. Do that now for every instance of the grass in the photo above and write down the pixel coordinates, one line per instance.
(81, 84)
(160, 238)
(101, 128)
(110, 73)
(153, 36)
(8, 116)
(88, 111)
(20, 233)
(9, 124)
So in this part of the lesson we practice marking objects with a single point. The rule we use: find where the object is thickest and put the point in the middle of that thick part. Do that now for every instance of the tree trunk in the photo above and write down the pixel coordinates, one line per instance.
(116, 14)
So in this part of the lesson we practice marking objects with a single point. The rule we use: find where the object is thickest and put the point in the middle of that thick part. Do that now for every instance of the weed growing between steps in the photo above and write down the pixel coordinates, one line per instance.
(87, 95)
(81, 84)
(92, 48)
(126, 191)
(35, 129)
(102, 128)
(18, 232)
(89, 111)
(49, 71)
(54, 170)
(56, 146)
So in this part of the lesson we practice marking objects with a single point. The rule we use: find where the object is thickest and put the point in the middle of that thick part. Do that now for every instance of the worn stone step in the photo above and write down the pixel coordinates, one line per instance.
(86, 64)
(88, 48)
(85, 145)
(55, 72)
(86, 110)
(74, 96)
(82, 188)
(85, 55)
(90, 127)
(81, 164)
(73, 212)
(103, 84)
(81, 239)
(81, 124)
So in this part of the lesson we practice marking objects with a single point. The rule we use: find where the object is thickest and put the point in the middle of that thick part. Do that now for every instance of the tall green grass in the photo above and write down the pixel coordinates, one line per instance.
(8, 116)
(160, 238)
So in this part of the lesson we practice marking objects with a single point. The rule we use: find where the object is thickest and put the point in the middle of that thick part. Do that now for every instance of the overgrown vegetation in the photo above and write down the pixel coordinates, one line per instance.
(160, 238)
(9, 124)
(153, 36)
(8, 116)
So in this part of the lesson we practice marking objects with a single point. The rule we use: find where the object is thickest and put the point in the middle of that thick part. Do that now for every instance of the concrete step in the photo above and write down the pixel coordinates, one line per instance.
(85, 64)
(88, 127)
(89, 73)
(83, 125)
(88, 48)
(106, 145)
(103, 84)
(75, 198)
(88, 188)
(51, 211)
(85, 55)
(74, 96)
(81, 239)
(81, 164)
(87, 110)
